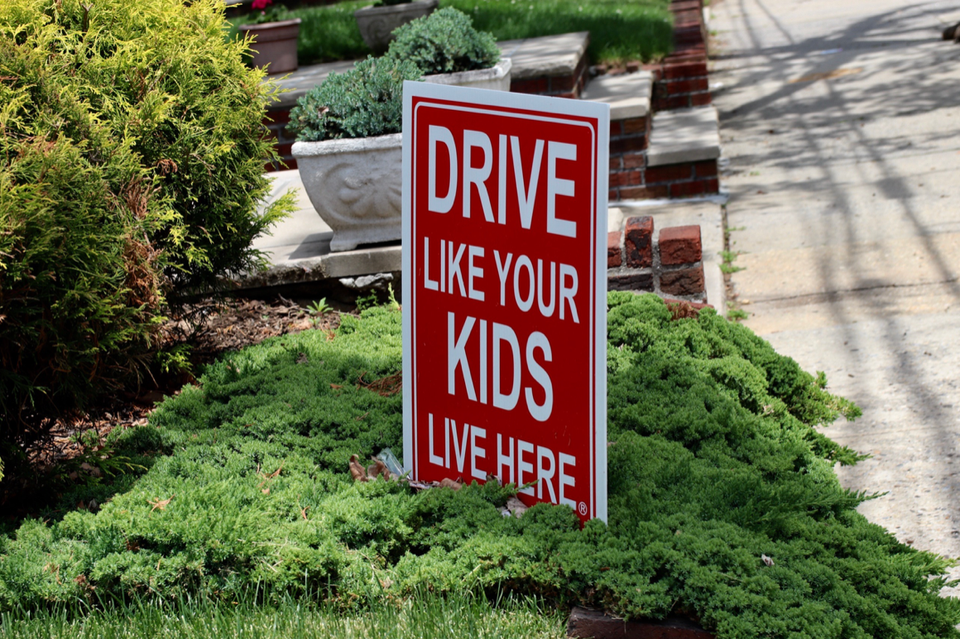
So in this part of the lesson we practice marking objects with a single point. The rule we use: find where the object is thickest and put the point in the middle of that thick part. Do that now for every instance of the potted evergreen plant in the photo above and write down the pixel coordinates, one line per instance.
(449, 50)
(378, 21)
(348, 147)
(348, 150)
(273, 37)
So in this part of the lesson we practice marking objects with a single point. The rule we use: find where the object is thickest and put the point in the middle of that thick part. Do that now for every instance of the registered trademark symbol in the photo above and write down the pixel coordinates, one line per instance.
(583, 508)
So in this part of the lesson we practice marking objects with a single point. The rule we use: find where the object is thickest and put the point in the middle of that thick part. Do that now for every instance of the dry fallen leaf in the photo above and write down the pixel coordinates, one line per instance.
(358, 472)
(767, 560)
(91, 470)
(450, 483)
(276, 472)
(160, 503)
(379, 468)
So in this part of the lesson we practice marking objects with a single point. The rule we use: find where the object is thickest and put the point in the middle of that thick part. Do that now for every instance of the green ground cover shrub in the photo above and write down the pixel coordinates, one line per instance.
(619, 29)
(715, 462)
(444, 42)
(131, 160)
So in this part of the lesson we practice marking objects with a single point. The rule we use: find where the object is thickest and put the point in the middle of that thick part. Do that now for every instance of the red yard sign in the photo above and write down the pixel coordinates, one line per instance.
(504, 291)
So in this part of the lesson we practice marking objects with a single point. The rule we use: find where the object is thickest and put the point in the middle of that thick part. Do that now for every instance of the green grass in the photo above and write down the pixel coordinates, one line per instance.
(426, 617)
(619, 29)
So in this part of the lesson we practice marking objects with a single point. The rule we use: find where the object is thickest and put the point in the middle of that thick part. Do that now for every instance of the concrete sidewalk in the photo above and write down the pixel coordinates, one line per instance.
(841, 125)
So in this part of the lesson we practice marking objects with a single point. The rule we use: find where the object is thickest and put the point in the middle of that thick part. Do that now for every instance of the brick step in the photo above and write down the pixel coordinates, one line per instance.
(554, 65)
(671, 154)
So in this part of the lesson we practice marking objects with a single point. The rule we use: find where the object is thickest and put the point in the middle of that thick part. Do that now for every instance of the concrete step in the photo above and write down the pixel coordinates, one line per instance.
(296, 84)
(684, 136)
(670, 154)
(628, 94)
(298, 248)
(554, 65)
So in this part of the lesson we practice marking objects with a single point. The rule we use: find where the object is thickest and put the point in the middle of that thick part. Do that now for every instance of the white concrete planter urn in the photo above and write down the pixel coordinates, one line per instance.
(496, 78)
(377, 23)
(355, 186)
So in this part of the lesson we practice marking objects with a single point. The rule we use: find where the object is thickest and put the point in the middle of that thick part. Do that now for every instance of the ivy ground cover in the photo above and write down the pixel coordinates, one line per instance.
(723, 502)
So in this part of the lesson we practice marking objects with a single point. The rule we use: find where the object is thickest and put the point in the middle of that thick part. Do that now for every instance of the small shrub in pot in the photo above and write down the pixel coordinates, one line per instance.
(444, 42)
(366, 101)
(348, 145)
(348, 150)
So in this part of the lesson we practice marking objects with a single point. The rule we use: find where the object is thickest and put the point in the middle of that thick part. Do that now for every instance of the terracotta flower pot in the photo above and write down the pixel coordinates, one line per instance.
(377, 23)
(274, 44)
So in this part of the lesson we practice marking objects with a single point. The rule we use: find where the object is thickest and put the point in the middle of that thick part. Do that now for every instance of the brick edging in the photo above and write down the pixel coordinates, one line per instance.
(669, 264)
(599, 625)
(276, 121)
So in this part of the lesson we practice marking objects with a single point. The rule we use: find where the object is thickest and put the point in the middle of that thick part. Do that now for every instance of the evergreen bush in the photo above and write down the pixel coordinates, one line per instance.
(131, 166)
(363, 102)
(715, 461)
(444, 42)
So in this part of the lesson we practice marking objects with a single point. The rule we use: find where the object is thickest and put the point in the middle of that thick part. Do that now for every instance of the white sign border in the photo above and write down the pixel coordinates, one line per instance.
(547, 106)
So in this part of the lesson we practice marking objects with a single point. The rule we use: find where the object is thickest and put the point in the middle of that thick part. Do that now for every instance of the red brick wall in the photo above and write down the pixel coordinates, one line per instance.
(670, 264)
(276, 121)
(680, 79)
(631, 178)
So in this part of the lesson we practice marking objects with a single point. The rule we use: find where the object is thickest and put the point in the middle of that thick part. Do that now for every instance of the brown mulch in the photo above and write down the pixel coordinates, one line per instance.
(213, 328)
